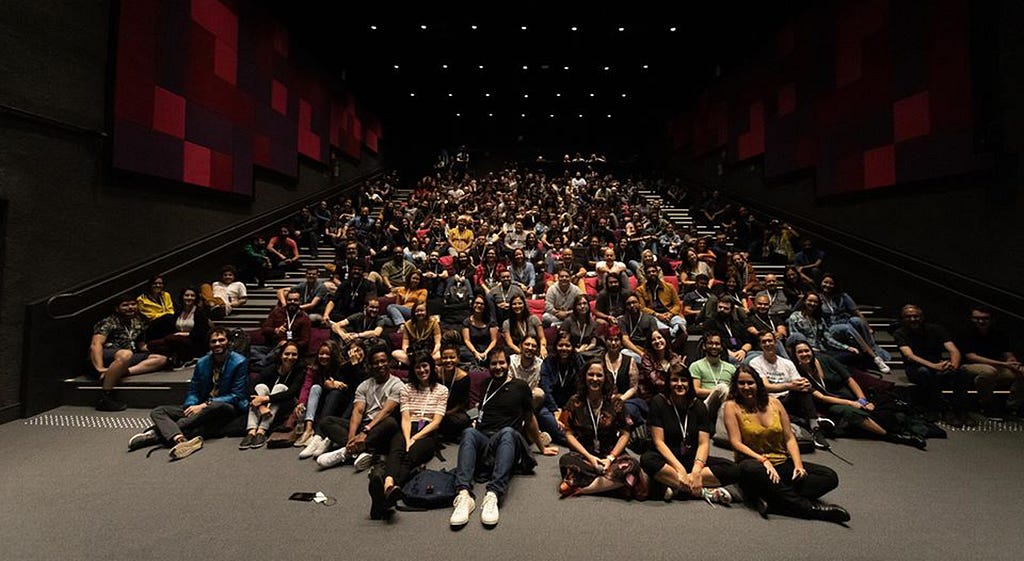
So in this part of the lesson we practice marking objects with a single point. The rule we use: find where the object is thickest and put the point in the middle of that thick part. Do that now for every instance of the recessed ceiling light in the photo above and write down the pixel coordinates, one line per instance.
(472, 27)
(523, 28)
(574, 28)
(444, 66)
(607, 67)
(567, 68)
(526, 96)
(423, 27)
(373, 27)
(458, 114)
(672, 29)
(581, 115)
(622, 29)
(487, 95)
(451, 94)
(623, 95)
(490, 114)
(591, 95)
(396, 67)
(646, 67)
(526, 67)
(558, 95)
(481, 67)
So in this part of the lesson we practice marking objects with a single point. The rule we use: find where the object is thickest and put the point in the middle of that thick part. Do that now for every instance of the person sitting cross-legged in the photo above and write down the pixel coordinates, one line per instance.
(216, 396)
(496, 439)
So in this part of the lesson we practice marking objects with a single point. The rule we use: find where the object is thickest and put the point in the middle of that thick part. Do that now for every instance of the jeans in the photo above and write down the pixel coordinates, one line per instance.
(853, 332)
(313, 401)
(399, 314)
(675, 324)
(930, 384)
(170, 420)
(476, 446)
(547, 423)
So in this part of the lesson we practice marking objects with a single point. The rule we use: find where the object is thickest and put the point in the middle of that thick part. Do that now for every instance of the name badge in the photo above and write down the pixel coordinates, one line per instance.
(288, 335)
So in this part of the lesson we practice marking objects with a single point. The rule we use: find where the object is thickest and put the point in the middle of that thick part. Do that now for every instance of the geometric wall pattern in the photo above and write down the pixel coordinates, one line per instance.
(206, 89)
(869, 94)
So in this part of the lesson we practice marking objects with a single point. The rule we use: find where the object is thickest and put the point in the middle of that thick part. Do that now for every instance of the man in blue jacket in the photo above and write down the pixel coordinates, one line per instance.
(216, 395)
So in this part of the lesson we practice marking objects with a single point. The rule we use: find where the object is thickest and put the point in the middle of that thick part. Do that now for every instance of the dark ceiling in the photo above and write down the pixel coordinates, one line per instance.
(614, 80)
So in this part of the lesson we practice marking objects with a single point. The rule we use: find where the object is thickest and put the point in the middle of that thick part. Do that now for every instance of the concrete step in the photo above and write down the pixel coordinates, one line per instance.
(146, 390)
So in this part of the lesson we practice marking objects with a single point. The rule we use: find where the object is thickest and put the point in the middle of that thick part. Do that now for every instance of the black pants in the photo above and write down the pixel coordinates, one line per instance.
(170, 420)
(929, 385)
(377, 440)
(400, 463)
(452, 426)
(800, 406)
(788, 497)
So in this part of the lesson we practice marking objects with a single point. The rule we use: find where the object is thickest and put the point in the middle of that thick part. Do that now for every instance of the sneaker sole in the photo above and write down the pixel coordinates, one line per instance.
(364, 463)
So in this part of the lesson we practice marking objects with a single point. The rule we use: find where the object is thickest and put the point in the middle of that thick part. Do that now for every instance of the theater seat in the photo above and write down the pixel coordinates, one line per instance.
(536, 307)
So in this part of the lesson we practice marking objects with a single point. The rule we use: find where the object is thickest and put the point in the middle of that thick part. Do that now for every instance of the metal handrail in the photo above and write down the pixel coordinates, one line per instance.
(836, 233)
(235, 231)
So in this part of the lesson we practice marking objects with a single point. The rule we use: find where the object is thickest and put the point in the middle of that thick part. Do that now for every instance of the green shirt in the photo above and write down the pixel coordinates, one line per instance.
(711, 376)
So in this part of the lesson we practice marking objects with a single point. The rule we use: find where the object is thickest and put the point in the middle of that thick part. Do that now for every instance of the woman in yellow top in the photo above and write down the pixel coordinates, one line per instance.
(156, 301)
(421, 334)
(406, 297)
(771, 470)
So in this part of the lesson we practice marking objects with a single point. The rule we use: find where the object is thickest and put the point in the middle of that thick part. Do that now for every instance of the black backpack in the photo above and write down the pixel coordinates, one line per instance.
(430, 489)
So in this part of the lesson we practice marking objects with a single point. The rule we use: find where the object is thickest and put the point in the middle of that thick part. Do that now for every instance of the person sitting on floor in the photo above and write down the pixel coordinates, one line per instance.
(772, 472)
(423, 405)
(597, 432)
(842, 399)
(372, 424)
(922, 346)
(277, 388)
(118, 350)
(216, 396)
(681, 460)
(496, 439)
(458, 382)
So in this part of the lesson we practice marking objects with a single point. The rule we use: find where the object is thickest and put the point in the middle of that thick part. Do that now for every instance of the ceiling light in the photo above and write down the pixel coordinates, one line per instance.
(646, 67)
(672, 29)
(526, 96)
(558, 95)
(609, 115)
(444, 66)
(423, 27)
(373, 27)
(591, 95)
(458, 114)
(481, 67)
(451, 94)
(551, 115)
(581, 115)
(567, 68)
(607, 68)
(523, 28)
(623, 95)
(522, 114)
(490, 114)
(574, 28)
(622, 29)
(412, 94)
(487, 95)
(525, 67)
(472, 27)
(396, 67)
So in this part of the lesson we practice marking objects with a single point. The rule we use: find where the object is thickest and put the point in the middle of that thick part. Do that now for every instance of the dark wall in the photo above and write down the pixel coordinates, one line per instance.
(70, 217)
(970, 223)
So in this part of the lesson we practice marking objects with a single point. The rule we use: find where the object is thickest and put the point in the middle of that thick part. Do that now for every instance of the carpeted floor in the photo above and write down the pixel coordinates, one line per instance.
(71, 491)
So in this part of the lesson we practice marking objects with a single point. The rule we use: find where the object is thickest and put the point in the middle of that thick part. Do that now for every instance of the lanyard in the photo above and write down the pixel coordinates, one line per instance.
(633, 328)
(683, 424)
(290, 319)
(562, 374)
(488, 396)
(714, 374)
(593, 421)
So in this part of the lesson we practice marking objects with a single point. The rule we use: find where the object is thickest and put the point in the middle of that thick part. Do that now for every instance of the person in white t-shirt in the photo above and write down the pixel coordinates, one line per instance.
(224, 295)
(784, 382)
(526, 367)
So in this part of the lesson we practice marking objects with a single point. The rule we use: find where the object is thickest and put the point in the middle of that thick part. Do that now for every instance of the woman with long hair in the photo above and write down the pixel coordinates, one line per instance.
(654, 367)
(842, 399)
(597, 432)
(681, 429)
(558, 375)
(340, 392)
(805, 324)
(191, 328)
(847, 324)
(423, 405)
(479, 333)
(421, 334)
(521, 324)
(772, 471)
(458, 383)
(322, 385)
(582, 328)
(156, 307)
(414, 292)
(275, 393)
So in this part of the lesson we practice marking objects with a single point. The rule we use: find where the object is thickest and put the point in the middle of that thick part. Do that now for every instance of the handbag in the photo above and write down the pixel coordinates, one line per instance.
(429, 489)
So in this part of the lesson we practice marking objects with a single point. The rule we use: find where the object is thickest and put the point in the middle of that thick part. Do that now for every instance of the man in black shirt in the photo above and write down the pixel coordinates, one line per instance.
(988, 358)
(922, 346)
(496, 439)
(735, 339)
(350, 295)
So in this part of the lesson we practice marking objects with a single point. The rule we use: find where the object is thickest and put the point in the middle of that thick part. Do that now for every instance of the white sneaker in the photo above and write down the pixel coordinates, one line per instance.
(331, 459)
(716, 495)
(545, 439)
(186, 448)
(464, 506)
(489, 509)
(143, 439)
(882, 366)
(363, 461)
(316, 446)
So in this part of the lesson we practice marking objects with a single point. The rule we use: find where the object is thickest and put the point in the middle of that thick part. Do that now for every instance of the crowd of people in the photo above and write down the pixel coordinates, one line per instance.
(511, 310)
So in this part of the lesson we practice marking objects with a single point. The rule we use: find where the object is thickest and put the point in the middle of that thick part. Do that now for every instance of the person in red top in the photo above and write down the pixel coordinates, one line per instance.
(283, 251)
(285, 323)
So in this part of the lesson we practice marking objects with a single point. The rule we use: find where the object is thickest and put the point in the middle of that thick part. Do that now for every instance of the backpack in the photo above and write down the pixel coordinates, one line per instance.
(429, 489)
(239, 341)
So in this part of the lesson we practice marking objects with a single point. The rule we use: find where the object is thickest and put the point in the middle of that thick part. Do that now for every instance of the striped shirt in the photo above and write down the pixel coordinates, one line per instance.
(424, 404)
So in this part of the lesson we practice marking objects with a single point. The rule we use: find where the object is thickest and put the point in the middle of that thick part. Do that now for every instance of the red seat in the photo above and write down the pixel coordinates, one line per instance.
(591, 285)
(536, 307)
(673, 280)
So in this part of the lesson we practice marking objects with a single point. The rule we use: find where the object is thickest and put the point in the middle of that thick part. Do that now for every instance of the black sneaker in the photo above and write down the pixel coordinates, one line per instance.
(826, 424)
(107, 403)
(377, 498)
(820, 442)
(246, 442)
(259, 440)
